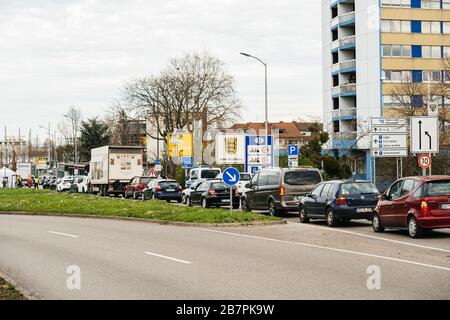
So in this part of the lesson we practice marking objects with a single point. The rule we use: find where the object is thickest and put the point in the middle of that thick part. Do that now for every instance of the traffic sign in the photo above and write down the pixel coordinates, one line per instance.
(385, 129)
(231, 176)
(424, 135)
(425, 161)
(293, 150)
(259, 153)
(187, 162)
(389, 153)
(152, 173)
(381, 121)
(389, 141)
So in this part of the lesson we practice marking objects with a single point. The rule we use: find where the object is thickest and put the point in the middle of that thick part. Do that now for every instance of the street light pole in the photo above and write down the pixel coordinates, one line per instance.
(49, 143)
(266, 124)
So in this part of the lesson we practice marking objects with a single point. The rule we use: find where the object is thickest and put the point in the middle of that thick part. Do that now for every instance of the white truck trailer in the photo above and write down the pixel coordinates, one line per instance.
(112, 168)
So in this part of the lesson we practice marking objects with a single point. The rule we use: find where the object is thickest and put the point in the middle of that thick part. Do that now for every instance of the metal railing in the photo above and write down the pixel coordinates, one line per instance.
(344, 89)
(346, 42)
(346, 65)
(343, 19)
(339, 113)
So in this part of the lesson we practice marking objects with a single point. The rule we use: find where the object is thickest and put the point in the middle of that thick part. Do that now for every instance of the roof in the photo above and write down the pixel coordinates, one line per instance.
(290, 128)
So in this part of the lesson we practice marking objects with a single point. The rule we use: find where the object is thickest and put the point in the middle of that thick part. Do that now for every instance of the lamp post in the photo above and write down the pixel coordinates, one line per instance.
(266, 104)
(49, 143)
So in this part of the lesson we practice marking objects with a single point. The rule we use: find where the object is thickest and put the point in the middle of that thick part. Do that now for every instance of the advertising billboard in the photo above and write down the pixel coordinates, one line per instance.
(179, 144)
(230, 148)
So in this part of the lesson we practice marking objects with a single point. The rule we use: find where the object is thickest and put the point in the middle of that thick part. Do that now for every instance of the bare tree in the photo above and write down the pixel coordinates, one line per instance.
(74, 118)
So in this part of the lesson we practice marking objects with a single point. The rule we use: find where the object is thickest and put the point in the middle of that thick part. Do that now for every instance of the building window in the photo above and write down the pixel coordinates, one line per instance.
(433, 27)
(431, 4)
(431, 52)
(446, 76)
(390, 101)
(431, 76)
(445, 4)
(396, 51)
(396, 3)
(396, 76)
(446, 26)
(400, 26)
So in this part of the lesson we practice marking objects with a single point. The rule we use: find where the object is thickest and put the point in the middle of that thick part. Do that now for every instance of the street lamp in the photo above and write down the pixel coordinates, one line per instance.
(49, 143)
(266, 108)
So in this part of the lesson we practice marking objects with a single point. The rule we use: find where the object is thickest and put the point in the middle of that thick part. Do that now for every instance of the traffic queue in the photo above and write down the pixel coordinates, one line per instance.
(417, 204)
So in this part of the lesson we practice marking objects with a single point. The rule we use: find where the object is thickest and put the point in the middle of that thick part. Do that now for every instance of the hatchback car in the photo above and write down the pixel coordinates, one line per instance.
(65, 184)
(339, 201)
(163, 189)
(214, 194)
(136, 186)
(416, 204)
(279, 189)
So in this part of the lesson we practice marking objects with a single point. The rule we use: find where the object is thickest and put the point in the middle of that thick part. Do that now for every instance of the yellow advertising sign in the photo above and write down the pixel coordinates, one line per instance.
(179, 144)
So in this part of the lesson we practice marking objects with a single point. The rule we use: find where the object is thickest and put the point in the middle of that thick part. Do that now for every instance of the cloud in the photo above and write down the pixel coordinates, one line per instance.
(61, 53)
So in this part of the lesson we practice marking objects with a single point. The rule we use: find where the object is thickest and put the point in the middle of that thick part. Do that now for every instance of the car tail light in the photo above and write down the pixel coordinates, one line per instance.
(424, 208)
(140, 186)
(180, 187)
(236, 191)
(158, 188)
(341, 201)
(282, 191)
(212, 192)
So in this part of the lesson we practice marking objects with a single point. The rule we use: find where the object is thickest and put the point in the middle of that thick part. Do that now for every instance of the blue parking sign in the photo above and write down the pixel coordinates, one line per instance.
(292, 150)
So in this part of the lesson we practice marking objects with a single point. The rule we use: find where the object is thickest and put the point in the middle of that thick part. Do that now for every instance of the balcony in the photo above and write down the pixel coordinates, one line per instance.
(344, 43)
(344, 67)
(346, 90)
(345, 136)
(344, 140)
(346, 19)
(335, 2)
(344, 114)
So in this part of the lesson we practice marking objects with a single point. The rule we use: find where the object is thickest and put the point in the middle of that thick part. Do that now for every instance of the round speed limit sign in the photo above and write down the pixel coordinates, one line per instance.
(425, 161)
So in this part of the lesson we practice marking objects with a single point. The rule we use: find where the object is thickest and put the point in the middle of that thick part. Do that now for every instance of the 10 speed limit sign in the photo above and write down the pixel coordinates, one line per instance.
(424, 161)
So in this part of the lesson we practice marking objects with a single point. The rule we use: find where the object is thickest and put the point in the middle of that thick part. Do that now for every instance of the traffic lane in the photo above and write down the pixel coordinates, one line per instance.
(438, 238)
(112, 257)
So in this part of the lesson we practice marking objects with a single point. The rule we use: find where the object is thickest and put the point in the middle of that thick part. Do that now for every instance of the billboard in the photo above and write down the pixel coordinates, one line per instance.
(230, 148)
(23, 169)
(259, 153)
(179, 144)
(41, 163)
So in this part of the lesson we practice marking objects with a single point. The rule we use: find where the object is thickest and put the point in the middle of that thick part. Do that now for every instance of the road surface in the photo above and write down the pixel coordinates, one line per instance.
(134, 260)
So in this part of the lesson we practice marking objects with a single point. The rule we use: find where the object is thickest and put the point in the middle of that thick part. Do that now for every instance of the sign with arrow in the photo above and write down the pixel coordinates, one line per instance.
(389, 141)
(388, 137)
(231, 176)
(424, 135)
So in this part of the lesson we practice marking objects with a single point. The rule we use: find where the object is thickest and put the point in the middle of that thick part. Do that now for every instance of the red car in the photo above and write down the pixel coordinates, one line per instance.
(136, 186)
(416, 204)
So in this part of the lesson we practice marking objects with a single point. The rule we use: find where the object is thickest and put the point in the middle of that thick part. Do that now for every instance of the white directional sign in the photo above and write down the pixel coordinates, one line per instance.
(380, 121)
(389, 153)
(389, 141)
(424, 135)
(393, 129)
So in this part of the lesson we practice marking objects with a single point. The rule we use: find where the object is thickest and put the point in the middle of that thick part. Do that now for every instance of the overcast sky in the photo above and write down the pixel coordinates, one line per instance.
(58, 53)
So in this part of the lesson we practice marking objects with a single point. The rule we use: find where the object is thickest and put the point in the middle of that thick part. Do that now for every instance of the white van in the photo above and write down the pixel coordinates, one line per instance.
(202, 173)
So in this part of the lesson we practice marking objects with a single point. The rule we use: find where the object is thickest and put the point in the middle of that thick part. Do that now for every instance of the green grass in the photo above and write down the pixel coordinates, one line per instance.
(43, 201)
(8, 292)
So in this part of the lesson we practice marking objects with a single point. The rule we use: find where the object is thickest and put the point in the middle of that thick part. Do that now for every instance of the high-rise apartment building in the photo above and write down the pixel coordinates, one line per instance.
(372, 50)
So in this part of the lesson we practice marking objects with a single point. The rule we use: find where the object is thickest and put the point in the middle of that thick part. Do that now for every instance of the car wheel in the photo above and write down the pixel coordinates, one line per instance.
(376, 224)
(236, 206)
(205, 204)
(189, 202)
(414, 230)
(331, 218)
(180, 200)
(272, 209)
(245, 206)
(302, 215)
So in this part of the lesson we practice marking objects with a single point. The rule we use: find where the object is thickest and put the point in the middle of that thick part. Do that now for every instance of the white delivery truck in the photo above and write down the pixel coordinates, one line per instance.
(112, 168)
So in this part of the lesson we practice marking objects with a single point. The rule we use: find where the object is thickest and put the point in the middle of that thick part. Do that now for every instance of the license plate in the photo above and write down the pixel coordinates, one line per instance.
(363, 210)
(445, 206)
(170, 190)
(225, 200)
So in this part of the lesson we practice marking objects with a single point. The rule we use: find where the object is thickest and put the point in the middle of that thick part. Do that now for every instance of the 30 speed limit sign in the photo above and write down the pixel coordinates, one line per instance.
(424, 161)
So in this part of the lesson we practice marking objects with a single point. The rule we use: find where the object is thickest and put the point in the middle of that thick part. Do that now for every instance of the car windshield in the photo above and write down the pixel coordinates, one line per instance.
(358, 188)
(209, 174)
(220, 186)
(304, 177)
(438, 188)
(246, 177)
(146, 180)
(68, 181)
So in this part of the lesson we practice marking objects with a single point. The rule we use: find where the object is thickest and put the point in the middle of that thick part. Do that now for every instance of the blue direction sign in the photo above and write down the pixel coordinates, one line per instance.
(292, 150)
(187, 162)
(231, 176)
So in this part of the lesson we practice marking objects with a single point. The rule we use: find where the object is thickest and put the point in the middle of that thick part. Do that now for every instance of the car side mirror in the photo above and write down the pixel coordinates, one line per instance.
(385, 196)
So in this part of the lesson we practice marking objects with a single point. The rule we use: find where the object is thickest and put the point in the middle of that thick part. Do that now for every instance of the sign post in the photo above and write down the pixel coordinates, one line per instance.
(425, 162)
(231, 177)
(292, 155)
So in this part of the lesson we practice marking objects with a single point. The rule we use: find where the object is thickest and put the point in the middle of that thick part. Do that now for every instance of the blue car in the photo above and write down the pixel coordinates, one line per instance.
(163, 189)
(339, 202)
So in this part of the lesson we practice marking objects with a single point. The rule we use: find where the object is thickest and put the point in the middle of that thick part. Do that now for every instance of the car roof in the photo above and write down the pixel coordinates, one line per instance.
(428, 178)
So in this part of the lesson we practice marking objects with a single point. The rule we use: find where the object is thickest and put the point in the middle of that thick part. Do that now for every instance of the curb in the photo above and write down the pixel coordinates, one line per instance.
(153, 221)
(15, 283)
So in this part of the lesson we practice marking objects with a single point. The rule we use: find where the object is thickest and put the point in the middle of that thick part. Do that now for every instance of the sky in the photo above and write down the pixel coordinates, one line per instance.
(60, 53)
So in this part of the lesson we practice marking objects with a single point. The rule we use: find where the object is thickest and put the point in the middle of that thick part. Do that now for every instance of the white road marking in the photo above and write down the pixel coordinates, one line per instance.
(331, 249)
(372, 237)
(63, 234)
(168, 258)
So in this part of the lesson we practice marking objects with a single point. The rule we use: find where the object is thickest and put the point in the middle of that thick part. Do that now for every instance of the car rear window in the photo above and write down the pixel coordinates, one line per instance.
(438, 188)
(304, 177)
(169, 184)
(245, 176)
(146, 180)
(358, 188)
(220, 186)
(209, 174)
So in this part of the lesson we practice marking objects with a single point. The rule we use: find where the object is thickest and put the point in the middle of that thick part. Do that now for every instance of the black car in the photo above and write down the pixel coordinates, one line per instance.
(339, 201)
(162, 189)
(214, 193)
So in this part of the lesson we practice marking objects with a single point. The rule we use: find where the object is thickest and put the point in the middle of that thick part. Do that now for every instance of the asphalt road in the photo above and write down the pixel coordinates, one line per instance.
(133, 260)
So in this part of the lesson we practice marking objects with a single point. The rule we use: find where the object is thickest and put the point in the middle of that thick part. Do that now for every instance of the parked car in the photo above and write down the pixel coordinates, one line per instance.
(65, 184)
(339, 201)
(202, 173)
(136, 187)
(416, 204)
(279, 189)
(163, 189)
(187, 191)
(79, 184)
(245, 178)
(48, 184)
(214, 193)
